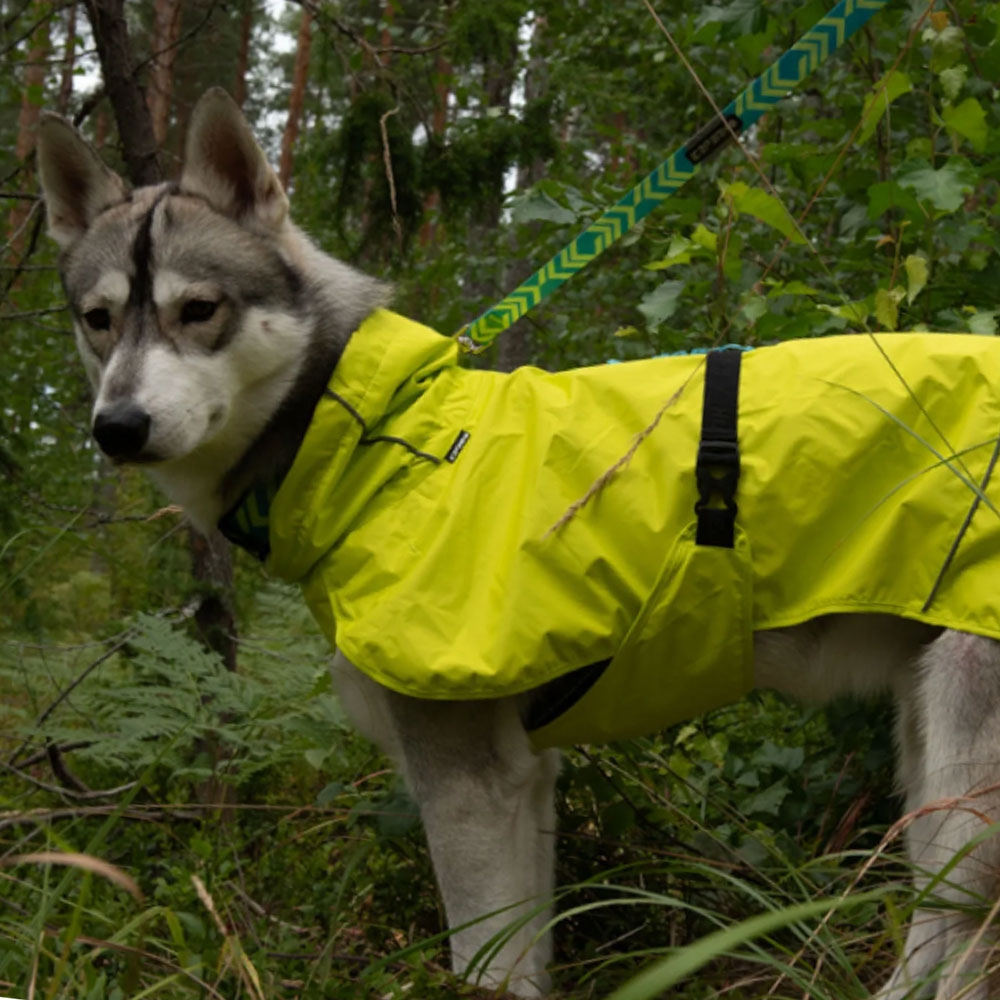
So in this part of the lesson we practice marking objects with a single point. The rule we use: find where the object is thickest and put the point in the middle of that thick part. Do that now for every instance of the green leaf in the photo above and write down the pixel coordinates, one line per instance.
(947, 46)
(661, 303)
(983, 322)
(536, 206)
(329, 793)
(787, 759)
(705, 238)
(945, 188)
(887, 195)
(887, 307)
(764, 207)
(680, 251)
(793, 287)
(894, 84)
(917, 273)
(768, 802)
(952, 80)
(854, 312)
(740, 17)
(968, 120)
(754, 308)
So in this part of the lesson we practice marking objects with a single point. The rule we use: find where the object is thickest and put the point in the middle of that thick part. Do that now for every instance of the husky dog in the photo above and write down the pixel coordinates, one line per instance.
(210, 326)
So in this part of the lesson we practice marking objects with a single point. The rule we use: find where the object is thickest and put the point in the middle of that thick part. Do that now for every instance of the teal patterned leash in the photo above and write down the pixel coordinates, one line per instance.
(782, 76)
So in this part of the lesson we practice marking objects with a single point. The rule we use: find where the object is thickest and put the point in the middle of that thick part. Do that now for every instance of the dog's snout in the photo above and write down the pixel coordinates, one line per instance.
(122, 430)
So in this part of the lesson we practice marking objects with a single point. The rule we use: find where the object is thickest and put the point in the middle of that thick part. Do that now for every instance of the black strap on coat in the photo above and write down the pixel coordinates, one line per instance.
(718, 468)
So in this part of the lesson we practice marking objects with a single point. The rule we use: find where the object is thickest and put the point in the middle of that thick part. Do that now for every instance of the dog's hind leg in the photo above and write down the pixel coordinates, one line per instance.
(488, 806)
(950, 768)
(914, 976)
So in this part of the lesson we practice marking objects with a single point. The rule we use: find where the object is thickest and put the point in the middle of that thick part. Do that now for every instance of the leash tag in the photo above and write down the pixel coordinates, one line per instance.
(710, 138)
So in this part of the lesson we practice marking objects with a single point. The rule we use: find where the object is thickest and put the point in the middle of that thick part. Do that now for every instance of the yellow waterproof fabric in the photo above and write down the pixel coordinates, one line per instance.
(450, 579)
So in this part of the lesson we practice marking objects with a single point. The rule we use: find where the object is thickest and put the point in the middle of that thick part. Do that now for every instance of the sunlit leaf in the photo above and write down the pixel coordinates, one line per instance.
(894, 84)
(887, 307)
(764, 207)
(968, 120)
(916, 276)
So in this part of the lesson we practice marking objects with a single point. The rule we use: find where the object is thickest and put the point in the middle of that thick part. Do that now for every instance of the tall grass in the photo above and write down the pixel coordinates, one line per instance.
(742, 855)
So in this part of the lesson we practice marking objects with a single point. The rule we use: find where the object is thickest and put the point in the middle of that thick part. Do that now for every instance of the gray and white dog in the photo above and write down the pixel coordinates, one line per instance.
(209, 326)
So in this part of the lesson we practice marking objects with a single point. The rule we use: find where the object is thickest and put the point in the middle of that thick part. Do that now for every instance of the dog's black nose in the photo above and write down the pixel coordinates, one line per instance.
(121, 430)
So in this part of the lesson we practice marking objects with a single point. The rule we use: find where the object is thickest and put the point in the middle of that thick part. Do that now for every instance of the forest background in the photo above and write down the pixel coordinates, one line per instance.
(167, 726)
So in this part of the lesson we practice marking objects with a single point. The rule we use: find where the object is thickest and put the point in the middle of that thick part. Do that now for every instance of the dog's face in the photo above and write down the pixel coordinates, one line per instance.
(184, 301)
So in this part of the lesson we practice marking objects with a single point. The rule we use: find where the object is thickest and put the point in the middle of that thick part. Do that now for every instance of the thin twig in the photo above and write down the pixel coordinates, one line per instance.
(96, 517)
(107, 793)
(75, 683)
(390, 179)
(322, 12)
(146, 814)
(609, 474)
(37, 758)
(30, 30)
(34, 312)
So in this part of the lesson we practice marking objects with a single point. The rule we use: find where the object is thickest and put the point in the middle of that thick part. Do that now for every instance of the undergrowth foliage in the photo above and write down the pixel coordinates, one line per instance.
(152, 706)
(312, 878)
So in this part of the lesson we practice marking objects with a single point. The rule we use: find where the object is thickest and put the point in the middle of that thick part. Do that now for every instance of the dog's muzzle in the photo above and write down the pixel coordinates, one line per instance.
(122, 430)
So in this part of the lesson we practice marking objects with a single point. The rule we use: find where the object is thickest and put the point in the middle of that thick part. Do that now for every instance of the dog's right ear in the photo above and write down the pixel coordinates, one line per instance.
(76, 183)
(224, 164)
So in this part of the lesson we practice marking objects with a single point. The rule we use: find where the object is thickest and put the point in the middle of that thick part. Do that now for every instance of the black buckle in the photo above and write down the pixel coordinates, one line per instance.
(717, 473)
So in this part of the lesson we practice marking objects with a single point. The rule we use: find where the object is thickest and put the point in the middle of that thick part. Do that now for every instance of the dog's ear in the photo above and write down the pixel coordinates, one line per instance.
(224, 164)
(76, 183)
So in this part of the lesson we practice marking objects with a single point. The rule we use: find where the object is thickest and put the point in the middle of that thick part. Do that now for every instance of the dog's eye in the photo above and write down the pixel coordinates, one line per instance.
(98, 319)
(198, 311)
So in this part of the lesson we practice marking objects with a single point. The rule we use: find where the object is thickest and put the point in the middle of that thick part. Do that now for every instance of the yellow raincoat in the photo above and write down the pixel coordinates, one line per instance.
(429, 515)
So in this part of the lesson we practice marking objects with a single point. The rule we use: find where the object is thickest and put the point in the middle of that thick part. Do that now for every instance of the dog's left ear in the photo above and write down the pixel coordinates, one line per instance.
(224, 164)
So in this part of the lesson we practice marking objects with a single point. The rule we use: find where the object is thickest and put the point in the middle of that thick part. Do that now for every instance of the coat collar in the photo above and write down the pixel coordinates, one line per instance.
(387, 363)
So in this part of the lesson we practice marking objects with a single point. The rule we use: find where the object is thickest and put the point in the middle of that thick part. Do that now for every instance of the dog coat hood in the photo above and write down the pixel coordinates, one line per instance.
(467, 534)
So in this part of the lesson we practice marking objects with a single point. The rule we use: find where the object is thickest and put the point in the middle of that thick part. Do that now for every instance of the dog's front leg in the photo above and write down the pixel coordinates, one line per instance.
(487, 804)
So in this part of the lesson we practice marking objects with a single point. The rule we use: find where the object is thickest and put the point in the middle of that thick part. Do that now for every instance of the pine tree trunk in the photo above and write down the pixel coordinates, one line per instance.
(514, 345)
(439, 122)
(32, 88)
(243, 57)
(212, 567)
(166, 30)
(499, 76)
(296, 99)
(69, 60)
